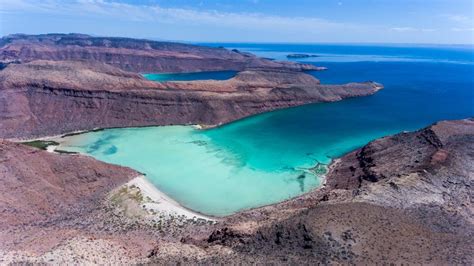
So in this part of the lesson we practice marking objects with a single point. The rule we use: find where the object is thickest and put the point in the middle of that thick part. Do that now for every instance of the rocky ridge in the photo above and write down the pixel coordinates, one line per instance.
(53, 84)
(135, 55)
(376, 206)
(400, 199)
(44, 98)
(405, 198)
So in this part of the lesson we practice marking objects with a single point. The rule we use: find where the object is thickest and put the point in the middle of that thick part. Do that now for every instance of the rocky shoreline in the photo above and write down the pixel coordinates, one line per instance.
(404, 198)
(31, 94)
(376, 206)
(96, 83)
(134, 55)
(367, 206)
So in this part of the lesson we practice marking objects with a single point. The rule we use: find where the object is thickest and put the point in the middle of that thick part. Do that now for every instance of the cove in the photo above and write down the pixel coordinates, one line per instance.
(215, 75)
(204, 176)
(266, 158)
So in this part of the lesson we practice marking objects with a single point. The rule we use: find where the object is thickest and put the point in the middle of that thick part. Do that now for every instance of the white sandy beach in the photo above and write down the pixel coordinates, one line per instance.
(51, 148)
(161, 202)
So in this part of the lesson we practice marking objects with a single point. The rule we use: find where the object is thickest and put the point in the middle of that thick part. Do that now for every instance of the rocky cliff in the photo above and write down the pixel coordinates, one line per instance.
(405, 198)
(401, 199)
(133, 55)
(43, 98)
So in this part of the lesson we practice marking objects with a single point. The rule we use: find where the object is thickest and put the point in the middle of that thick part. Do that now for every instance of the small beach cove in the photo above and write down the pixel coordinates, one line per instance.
(182, 162)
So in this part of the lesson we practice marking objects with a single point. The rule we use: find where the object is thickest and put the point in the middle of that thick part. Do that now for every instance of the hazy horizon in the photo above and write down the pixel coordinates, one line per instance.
(441, 22)
(394, 44)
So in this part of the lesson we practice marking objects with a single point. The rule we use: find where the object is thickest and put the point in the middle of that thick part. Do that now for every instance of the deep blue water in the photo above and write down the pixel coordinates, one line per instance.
(264, 159)
(357, 53)
(422, 85)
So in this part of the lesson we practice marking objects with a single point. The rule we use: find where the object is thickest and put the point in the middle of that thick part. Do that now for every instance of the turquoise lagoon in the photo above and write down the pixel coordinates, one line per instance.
(215, 75)
(266, 158)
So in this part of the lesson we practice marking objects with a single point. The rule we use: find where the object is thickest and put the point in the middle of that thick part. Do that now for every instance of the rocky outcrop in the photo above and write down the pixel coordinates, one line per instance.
(378, 206)
(405, 198)
(64, 182)
(133, 55)
(58, 83)
(54, 97)
(42, 191)
(400, 199)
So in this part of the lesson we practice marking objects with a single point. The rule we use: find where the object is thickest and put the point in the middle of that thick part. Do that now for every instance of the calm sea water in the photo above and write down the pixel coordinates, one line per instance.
(264, 159)
(216, 75)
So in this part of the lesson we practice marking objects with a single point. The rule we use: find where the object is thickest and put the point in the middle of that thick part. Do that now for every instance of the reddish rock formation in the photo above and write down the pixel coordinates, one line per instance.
(377, 206)
(400, 199)
(132, 54)
(404, 198)
(54, 97)
(42, 93)
(40, 191)
(36, 185)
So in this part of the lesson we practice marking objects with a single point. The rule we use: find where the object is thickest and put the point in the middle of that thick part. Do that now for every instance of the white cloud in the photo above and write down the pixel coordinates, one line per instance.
(154, 20)
(458, 18)
(403, 29)
(156, 13)
(462, 29)
(411, 29)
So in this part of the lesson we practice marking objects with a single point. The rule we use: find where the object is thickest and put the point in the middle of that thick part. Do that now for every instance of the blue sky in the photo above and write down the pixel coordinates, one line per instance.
(306, 21)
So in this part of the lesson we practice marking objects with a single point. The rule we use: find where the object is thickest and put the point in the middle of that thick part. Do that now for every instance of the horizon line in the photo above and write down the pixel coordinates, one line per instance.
(246, 42)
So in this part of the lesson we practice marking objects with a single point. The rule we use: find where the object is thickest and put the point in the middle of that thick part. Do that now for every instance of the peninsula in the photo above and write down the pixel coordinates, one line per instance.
(404, 198)
(90, 79)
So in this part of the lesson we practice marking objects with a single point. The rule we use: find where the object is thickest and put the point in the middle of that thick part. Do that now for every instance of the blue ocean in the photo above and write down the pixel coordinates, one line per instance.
(267, 158)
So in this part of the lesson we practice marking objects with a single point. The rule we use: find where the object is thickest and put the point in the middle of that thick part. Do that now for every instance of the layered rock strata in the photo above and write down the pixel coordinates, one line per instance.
(133, 55)
(44, 98)
(400, 199)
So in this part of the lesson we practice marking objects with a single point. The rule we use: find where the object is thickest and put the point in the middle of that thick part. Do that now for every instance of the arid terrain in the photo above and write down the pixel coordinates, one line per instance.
(375, 207)
(95, 95)
(132, 54)
(405, 198)
(98, 91)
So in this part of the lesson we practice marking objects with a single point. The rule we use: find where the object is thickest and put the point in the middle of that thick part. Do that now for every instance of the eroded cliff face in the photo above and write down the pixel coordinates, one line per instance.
(377, 206)
(133, 55)
(406, 198)
(403, 199)
(58, 83)
(44, 98)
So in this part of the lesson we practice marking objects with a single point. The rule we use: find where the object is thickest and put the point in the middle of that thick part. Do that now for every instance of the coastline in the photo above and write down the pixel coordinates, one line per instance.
(395, 185)
(161, 203)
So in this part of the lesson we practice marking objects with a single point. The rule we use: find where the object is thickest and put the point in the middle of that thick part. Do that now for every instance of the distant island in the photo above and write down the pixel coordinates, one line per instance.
(295, 56)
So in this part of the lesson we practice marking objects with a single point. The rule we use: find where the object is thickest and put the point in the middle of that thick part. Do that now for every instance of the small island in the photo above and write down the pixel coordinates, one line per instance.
(296, 56)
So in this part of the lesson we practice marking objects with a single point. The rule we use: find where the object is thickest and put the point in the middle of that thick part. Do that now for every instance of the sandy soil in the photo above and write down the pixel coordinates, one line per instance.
(161, 203)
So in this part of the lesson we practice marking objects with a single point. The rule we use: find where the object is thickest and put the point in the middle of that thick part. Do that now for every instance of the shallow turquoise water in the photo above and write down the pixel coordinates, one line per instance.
(261, 159)
(186, 165)
(215, 75)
